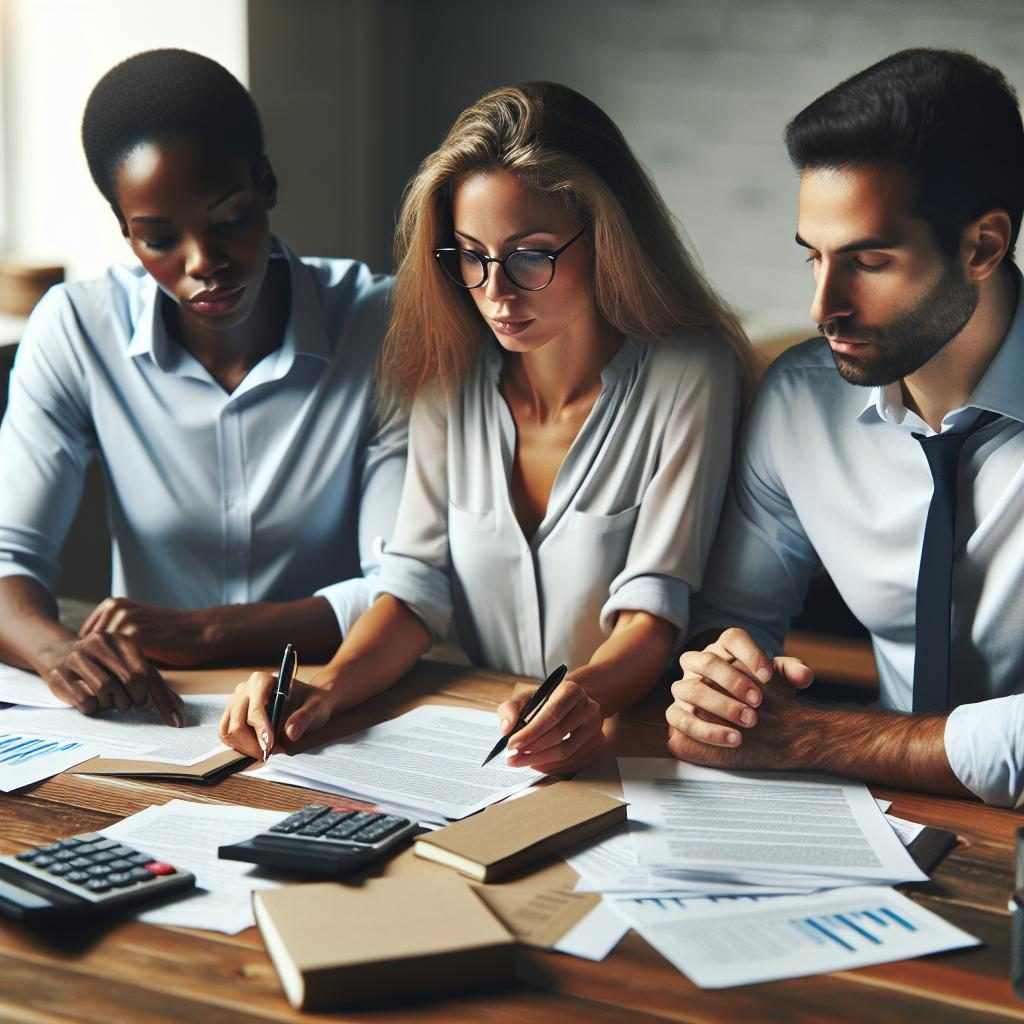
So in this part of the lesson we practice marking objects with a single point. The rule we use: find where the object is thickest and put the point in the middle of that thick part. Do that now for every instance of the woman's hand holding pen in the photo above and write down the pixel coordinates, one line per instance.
(245, 724)
(563, 737)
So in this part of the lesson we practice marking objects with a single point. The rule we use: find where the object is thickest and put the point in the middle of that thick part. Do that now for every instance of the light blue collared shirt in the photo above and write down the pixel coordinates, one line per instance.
(269, 493)
(828, 473)
(629, 521)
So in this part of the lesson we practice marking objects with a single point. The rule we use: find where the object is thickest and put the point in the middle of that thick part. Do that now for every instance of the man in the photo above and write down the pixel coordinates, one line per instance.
(911, 191)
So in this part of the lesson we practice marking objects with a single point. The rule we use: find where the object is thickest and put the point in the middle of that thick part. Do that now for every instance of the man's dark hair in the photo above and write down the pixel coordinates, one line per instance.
(161, 95)
(948, 118)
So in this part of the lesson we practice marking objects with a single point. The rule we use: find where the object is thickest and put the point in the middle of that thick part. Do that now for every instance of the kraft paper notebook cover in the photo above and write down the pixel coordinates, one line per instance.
(385, 939)
(516, 834)
(213, 769)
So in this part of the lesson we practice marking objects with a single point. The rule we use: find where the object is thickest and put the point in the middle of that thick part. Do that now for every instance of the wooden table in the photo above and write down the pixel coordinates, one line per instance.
(137, 973)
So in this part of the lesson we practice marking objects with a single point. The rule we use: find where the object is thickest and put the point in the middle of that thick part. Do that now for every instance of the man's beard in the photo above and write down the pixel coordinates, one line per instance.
(910, 339)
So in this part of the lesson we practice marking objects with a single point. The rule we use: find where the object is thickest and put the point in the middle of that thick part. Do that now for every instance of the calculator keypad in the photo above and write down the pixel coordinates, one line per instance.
(327, 826)
(90, 865)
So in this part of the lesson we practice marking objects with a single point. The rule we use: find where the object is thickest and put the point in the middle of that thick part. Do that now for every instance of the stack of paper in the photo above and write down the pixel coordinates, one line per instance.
(58, 738)
(425, 765)
(795, 862)
(787, 831)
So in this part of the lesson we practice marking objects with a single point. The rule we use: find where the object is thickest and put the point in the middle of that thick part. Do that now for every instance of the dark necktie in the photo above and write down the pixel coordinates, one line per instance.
(935, 576)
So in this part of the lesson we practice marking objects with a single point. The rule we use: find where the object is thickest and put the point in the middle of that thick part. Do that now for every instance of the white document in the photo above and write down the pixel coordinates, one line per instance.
(187, 835)
(27, 758)
(907, 831)
(720, 943)
(426, 761)
(596, 935)
(27, 689)
(760, 827)
(139, 735)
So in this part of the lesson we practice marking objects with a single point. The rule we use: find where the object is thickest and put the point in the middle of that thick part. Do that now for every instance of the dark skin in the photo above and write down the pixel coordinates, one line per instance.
(198, 222)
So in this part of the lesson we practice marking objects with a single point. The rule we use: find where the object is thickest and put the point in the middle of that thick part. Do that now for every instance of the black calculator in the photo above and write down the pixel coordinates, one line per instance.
(322, 840)
(84, 876)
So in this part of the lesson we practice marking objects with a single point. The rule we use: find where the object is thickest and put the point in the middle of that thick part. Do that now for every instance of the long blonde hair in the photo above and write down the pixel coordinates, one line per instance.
(646, 284)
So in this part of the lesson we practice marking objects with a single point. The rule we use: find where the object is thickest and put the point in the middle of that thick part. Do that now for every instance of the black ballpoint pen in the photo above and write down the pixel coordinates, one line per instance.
(532, 706)
(285, 674)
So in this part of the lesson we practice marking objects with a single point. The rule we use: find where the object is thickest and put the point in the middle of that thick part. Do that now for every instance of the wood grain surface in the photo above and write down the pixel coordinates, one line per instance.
(137, 974)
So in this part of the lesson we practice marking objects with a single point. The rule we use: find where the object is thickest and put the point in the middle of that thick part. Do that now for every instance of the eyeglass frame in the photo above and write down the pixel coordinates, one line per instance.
(485, 262)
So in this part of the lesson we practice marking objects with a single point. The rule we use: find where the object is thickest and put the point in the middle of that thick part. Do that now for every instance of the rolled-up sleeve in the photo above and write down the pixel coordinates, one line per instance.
(416, 564)
(680, 508)
(985, 748)
(46, 442)
(762, 560)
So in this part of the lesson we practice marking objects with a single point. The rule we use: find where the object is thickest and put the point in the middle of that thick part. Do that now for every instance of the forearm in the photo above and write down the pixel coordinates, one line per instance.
(384, 644)
(259, 632)
(625, 667)
(30, 631)
(882, 747)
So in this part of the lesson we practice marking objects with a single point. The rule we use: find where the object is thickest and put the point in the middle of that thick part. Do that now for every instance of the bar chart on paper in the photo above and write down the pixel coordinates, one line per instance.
(719, 942)
(27, 758)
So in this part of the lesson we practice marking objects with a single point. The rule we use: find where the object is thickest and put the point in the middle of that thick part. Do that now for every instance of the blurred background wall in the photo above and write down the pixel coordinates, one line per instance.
(355, 92)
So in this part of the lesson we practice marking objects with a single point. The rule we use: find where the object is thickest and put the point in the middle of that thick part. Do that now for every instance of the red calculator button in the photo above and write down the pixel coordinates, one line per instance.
(156, 867)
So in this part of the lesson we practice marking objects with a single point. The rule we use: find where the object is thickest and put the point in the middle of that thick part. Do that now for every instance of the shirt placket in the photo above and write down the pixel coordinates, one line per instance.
(234, 506)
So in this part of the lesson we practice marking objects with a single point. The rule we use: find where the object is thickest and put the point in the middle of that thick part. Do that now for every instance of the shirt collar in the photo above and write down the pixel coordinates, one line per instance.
(305, 332)
(998, 390)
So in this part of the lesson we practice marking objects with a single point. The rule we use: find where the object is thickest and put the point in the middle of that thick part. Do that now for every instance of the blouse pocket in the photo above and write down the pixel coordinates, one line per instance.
(461, 521)
(592, 522)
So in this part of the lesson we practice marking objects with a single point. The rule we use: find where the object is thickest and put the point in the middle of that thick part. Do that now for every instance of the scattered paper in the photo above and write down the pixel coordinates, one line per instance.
(426, 761)
(906, 831)
(760, 828)
(26, 758)
(140, 735)
(26, 689)
(186, 835)
(596, 935)
(719, 943)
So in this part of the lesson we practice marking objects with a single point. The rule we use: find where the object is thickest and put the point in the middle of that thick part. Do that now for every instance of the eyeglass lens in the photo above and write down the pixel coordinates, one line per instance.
(530, 270)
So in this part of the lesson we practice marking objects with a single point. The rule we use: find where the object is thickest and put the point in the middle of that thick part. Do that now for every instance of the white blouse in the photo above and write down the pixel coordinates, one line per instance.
(629, 522)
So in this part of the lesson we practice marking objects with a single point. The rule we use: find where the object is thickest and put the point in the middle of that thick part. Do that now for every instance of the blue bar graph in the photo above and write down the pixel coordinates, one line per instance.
(19, 750)
(851, 929)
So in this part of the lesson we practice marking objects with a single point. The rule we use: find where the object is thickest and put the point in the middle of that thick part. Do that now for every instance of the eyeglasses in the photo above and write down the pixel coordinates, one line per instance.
(528, 269)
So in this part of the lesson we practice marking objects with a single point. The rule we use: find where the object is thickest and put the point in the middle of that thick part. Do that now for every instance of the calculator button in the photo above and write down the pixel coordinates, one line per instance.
(78, 877)
(28, 855)
(90, 837)
(59, 869)
(97, 885)
(137, 860)
(324, 823)
(65, 854)
(119, 879)
(102, 843)
(121, 851)
(97, 871)
(105, 857)
(43, 861)
(157, 867)
(80, 862)
(141, 875)
(300, 818)
(120, 864)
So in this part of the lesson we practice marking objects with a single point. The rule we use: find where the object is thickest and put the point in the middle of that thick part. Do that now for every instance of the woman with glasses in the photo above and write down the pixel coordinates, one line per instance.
(575, 385)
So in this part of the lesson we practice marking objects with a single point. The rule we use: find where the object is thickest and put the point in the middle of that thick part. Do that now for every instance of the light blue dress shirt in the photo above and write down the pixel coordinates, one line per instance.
(269, 493)
(629, 523)
(828, 473)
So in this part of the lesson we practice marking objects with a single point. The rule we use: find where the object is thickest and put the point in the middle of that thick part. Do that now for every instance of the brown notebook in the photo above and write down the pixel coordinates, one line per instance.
(385, 939)
(509, 836)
